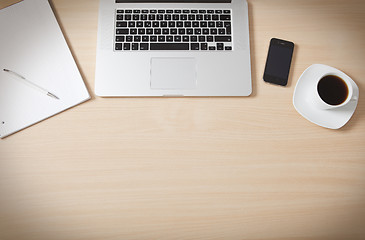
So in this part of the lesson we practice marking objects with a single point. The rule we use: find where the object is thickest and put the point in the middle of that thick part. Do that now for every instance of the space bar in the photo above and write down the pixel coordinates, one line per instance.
(169, 46)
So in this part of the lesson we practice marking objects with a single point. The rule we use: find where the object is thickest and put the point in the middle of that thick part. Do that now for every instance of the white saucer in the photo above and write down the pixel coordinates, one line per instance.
(333, 118)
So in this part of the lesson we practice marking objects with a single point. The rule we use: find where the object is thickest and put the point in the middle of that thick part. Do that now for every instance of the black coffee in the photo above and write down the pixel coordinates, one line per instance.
(332, 89)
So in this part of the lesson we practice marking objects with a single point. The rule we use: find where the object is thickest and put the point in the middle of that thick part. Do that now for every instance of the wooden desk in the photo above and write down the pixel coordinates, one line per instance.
(196, 168)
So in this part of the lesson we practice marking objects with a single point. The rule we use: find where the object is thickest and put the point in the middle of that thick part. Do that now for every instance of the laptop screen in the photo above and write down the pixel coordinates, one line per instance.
(173, 1)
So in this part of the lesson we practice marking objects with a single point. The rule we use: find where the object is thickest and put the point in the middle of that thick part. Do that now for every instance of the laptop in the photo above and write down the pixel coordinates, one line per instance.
(173, 48)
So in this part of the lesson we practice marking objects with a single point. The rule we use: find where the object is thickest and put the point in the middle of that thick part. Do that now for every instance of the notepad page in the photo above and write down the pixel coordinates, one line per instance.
(32, 45)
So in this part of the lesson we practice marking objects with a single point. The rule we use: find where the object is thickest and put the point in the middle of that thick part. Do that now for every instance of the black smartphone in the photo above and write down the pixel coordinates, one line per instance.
(278, 61)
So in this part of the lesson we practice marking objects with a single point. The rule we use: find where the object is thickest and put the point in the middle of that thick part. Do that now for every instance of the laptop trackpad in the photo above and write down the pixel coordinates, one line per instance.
(173, 73)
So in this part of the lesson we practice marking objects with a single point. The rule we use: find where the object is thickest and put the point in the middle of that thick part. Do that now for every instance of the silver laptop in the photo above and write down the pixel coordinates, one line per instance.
(173, 48)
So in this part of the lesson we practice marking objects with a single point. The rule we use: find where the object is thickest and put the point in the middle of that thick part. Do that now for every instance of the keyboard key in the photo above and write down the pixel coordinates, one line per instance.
(136, 11)
(169, 38)
(141, 31)
(194, 11)
(226, 11)
(211, 48)
(127, 46)
(172, 24)
(157, 31)
(131, 24)
(221, 31)
(202, 11)
(133, 31)
(177, 38)
(134, 46)
(118, 46)
(122, 24)
(228, 48)
(127, 17)
(143, 46)
(209, 38)
(197, 31)
(161, 11)
(219, 11)
(169, 46)
(185, 38)
(155, 24)
(225, 17)
(173, 31)
(153, 11)
(129, 39)
(119, 17)
(215, 17)
(163, 24)
(139, 24)
(135, 17)
(120, 11)
(122, 31)
(194, 46)
(153, 38)
(204, 46)
(223, 38)
(193, 39)
(210, 11)
(161, 38)
(165, 31)
(145, 38)
(128, 11)
(137, 38)
(196, 24)
(149, 31)
(169, 11)
(199, 17)
(187, 24)
(119, 38)
(160, 17)
(201, 38)
(179, 24)
(220, 46)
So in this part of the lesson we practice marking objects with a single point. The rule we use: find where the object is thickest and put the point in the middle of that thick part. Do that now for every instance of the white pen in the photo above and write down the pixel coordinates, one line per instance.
(30, 84)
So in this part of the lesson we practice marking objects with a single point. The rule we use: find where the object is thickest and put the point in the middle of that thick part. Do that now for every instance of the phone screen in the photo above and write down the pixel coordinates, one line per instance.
(278, 61)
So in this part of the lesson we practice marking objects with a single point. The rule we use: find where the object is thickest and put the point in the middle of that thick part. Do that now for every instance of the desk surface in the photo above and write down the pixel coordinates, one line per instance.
(196, 168)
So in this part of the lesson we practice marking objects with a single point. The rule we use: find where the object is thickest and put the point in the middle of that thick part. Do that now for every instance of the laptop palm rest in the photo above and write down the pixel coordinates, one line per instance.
(173, 73)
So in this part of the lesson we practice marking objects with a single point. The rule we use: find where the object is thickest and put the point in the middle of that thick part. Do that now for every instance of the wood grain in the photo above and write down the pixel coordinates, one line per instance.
(196, 168)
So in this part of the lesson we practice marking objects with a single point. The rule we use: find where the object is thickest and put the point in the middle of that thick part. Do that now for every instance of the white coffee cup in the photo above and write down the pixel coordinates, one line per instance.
(329, 91)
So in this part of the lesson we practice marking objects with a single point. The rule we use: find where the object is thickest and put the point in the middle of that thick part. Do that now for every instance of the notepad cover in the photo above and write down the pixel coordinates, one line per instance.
(32, 45)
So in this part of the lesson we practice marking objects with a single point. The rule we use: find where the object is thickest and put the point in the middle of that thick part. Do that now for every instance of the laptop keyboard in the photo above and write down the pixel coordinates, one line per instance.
(178, 29)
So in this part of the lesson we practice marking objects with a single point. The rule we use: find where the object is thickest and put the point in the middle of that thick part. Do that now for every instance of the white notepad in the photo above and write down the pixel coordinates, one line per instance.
(32, 45)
